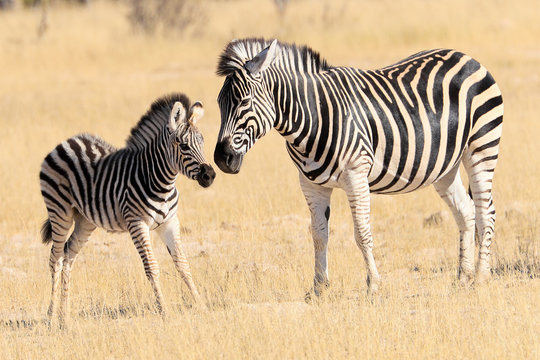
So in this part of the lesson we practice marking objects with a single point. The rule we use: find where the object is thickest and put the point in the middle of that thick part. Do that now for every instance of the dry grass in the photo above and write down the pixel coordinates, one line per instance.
(247, 236)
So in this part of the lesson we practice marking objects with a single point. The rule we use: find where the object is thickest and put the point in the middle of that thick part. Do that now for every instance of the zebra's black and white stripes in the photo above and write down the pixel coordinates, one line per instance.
(387, 131)
(88, 182)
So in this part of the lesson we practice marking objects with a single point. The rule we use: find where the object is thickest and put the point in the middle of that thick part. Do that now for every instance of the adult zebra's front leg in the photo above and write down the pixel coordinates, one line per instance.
(170, 234)
(318, 200)
(140, 233)
(356, 185)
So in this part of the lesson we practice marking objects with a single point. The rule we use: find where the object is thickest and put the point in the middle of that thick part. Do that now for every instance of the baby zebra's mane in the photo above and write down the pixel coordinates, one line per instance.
(238, 52)
(155, 120)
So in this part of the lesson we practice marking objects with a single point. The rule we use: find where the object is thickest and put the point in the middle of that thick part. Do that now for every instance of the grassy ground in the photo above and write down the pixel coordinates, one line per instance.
(247, 236)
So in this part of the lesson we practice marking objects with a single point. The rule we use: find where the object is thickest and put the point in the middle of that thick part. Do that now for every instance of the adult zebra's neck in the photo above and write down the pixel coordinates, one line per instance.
(297, 106)
(323, 137)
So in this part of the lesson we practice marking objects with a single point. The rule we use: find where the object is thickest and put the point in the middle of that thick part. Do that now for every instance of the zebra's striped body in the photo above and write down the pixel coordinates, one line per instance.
(387, 131)
(86, 181)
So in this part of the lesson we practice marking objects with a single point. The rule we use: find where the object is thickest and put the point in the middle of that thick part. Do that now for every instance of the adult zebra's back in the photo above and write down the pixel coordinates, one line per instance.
(89, 183)
(390, 130)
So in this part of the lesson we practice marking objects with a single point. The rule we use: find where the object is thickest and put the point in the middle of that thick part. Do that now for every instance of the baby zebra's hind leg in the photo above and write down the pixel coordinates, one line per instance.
(451, 190)
(56, 228)
(79, 237)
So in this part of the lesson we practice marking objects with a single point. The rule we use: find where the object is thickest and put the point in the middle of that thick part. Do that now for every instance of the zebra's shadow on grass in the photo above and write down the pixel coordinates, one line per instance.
(528, 267)
(122, 311)
(22, 324)
(129, 311)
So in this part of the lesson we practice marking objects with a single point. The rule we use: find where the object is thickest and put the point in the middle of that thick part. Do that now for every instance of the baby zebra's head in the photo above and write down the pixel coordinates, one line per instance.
(187, 143)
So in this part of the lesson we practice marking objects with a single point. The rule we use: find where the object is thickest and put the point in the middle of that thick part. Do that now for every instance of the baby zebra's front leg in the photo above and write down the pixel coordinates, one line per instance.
(170, 234)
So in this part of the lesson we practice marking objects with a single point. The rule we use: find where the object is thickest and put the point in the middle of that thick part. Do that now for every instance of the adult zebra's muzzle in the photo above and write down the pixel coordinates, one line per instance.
(206, 175)
(226, 159)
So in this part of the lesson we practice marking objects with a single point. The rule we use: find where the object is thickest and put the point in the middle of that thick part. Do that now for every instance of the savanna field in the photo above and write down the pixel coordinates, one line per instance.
(247, 237)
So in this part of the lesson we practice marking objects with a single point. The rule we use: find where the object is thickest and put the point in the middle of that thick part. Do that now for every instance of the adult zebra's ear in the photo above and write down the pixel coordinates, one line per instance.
(178, 113)
(262, 60)
(197, 112)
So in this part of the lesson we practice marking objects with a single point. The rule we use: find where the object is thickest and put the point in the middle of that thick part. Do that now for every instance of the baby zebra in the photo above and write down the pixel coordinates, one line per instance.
(86, 181)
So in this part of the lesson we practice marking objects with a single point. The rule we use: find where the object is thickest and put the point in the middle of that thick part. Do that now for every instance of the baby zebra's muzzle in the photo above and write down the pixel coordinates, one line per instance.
(206, 175)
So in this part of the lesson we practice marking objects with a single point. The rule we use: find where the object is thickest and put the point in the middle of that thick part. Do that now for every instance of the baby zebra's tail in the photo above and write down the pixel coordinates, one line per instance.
(46, 232)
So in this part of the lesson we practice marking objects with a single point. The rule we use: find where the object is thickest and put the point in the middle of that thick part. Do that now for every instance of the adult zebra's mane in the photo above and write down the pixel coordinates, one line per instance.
(155, 120)
(238, 52)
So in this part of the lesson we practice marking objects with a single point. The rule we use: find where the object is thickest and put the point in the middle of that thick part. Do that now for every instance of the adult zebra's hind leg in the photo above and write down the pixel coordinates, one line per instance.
(451, 190)
(79, 237)
(480, 170)
(318, 200)
(480, 159)
(170, 234)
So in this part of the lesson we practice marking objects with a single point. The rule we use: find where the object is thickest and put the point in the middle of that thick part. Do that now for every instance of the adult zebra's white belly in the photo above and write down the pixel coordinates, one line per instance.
(389, 178)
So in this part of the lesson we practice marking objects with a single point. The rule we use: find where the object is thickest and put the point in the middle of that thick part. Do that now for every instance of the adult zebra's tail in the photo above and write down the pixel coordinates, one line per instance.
(46, 232)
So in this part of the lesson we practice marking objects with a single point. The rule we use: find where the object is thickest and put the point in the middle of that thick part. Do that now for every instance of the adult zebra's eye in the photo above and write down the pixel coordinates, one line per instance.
(184, 147)
(244, 102)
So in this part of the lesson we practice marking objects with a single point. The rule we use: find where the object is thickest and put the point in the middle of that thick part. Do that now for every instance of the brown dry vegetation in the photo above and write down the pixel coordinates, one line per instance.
(247, 236)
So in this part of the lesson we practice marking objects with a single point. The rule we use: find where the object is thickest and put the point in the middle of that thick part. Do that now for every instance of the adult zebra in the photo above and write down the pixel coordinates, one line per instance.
(89, 182)
(386, 131)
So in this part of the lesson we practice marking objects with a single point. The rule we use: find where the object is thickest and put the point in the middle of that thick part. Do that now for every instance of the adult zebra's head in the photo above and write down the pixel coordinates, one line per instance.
(187, 143)
(245, 100)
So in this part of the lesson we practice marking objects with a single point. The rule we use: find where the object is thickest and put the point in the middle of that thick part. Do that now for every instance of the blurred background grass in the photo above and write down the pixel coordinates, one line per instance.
(96, 68)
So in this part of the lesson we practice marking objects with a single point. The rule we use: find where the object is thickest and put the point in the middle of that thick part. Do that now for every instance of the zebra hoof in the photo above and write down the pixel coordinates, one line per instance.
(315, 292)
(313, 295)
(483, 276)
(309, 297)
(48, 323)
(466, 278)
(371, 293)
(63, 325)
(373, 285)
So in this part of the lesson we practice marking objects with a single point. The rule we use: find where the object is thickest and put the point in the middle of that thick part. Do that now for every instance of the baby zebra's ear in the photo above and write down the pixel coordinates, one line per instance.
(178, 113)
(197, 112)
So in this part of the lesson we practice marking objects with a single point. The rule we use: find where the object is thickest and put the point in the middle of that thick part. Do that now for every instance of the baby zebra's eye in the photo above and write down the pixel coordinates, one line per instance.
(184, 147)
